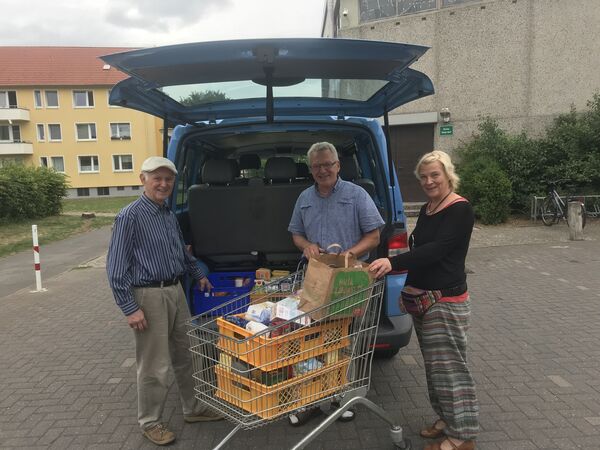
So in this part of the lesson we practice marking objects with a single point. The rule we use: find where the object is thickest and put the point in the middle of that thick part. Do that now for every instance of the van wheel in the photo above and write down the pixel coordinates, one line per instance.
(387, 353)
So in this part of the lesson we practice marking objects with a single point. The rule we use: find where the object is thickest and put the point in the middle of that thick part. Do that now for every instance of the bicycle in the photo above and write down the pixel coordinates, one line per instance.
(592, 207)
(554, 208)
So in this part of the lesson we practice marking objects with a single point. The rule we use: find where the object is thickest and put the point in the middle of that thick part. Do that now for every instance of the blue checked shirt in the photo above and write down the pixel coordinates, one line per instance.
(146, 246)
(341, 218)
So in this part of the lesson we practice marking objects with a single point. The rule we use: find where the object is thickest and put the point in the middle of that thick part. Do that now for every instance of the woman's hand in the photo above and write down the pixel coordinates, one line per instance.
(380, 267)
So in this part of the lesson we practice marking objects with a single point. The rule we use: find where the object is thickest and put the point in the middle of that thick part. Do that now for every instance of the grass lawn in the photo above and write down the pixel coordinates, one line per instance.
(16, 236)
(100, 204)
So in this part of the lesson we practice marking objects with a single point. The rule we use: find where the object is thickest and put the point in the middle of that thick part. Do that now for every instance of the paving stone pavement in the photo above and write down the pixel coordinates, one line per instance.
(67, 368)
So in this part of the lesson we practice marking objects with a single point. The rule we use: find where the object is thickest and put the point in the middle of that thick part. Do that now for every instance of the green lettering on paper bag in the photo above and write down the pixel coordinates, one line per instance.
(347, 284)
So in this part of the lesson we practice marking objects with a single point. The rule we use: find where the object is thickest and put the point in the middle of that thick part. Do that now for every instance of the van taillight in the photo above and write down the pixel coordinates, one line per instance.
(397, 244)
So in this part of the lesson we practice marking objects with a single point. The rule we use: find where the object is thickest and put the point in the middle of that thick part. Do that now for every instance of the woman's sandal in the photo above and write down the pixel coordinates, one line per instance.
(347, 416)
(433, 432)
(466, 445)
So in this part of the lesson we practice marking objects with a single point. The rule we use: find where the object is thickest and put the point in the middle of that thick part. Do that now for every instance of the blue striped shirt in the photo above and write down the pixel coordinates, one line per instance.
(146, 246)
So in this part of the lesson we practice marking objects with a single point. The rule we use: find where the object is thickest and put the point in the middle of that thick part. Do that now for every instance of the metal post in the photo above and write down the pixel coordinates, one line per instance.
(36, 260)
(165, 136)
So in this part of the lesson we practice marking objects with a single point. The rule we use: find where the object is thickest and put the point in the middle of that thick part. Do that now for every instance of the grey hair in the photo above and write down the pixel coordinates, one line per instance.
(321, 147)
(445, 161)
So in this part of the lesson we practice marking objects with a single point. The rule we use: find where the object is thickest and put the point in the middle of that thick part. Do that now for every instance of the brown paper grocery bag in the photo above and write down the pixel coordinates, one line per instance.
(330, 278)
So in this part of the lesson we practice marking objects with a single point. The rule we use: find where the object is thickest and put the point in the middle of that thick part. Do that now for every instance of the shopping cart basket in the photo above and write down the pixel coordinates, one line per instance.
(256, 378)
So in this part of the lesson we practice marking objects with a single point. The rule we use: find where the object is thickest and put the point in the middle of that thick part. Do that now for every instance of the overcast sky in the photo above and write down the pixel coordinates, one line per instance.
(146, 23)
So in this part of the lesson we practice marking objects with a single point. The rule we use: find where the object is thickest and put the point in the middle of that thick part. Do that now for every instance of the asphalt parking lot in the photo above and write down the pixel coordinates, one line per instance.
(67, 367)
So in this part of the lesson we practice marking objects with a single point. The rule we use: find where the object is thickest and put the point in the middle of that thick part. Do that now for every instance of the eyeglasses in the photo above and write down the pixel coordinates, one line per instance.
(326, 166)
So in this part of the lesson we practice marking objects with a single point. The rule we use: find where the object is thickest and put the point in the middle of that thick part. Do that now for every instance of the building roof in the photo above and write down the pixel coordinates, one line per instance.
(57, 66)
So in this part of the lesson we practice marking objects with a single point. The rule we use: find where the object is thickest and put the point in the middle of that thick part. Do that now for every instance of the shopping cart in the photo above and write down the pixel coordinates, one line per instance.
(293, 365)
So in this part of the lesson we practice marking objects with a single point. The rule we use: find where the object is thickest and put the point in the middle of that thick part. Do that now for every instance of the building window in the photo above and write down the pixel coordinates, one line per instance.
(54, 133)
(37, 98)
(381, 9)
(122, 163)
(454, 2)
(103, 191)
(83, 99)
(10, 133)
(120, 131)
(8, 99)
(88, 163)
(86, 131)
(58, 163)
(135, 188)
(51, 99)
(108, 99)
(43, 161)
(83, 192)
(120, 188)
(41, 132)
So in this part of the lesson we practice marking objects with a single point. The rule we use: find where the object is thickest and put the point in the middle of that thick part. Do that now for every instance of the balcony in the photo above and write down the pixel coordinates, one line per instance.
(15, 148)
(14, 114)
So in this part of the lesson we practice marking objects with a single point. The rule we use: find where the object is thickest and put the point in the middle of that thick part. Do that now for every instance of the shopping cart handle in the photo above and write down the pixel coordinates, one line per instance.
(302, 263)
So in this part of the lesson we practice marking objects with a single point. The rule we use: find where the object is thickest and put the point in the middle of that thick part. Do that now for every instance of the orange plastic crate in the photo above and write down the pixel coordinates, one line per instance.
(269, 402)
(272, 353)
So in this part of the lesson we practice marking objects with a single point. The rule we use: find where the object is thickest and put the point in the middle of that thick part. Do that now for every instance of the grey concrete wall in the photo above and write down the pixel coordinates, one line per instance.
(521, 62)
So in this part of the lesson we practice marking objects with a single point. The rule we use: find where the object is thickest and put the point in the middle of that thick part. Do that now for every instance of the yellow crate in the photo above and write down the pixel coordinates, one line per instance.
(269, 402)
(272, 353)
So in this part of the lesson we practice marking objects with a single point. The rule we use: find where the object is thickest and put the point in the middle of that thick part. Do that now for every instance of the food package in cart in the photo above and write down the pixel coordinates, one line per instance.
(263, 274)
(287, 309)
(256, 327)
(261, 312)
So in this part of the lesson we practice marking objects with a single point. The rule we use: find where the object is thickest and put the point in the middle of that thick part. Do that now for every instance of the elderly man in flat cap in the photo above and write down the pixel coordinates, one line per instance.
(146, 259)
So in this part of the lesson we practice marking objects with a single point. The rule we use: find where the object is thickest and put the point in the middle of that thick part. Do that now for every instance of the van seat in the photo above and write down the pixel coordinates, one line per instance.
(302, 171)
(280, 169)
(218, 172)
(244, 223)
(350, 171)
(249, 161)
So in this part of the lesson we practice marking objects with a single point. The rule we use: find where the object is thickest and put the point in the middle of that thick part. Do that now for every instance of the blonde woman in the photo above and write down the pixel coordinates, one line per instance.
(436, 295)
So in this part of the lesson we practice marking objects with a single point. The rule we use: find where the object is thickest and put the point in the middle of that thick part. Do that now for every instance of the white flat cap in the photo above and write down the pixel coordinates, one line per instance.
(154, 162)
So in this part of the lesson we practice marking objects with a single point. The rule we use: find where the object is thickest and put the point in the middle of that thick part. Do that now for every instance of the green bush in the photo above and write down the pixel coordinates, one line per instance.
(569, 151)
(30, 192)
(572, 148)
(518, 157)
(488, 188)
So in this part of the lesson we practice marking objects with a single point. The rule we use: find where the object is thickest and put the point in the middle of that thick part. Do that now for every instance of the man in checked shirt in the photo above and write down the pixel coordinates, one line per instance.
(146, 260)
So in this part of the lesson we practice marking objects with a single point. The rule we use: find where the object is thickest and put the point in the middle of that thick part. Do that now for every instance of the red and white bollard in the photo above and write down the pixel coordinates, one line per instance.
(36, 260)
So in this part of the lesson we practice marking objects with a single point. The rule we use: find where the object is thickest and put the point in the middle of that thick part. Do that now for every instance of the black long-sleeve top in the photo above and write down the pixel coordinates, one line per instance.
(439, 245)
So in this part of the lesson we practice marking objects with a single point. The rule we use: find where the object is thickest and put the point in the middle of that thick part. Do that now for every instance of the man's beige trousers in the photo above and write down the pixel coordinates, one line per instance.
(162, 344)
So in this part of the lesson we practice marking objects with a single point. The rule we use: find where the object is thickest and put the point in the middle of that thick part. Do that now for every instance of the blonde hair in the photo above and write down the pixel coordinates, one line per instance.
(445, 161)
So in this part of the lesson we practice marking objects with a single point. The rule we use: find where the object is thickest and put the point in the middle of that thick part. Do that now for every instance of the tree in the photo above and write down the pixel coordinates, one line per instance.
(200, 98)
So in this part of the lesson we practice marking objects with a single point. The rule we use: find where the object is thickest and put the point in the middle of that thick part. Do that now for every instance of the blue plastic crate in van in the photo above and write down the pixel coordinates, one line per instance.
(226, 287)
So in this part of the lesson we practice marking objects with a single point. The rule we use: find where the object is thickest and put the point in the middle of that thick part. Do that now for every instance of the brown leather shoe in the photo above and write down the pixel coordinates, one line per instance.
(432, 432)
(159, 434)
(466, 445)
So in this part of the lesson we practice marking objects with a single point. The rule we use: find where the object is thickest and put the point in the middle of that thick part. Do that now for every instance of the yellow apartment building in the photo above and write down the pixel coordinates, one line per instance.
(54, 112)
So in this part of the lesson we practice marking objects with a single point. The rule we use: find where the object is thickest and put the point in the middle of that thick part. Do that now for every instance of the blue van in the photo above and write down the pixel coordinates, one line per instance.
(245, 113)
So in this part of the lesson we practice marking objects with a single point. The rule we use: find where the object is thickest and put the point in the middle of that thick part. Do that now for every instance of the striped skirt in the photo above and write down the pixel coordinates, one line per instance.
(442, 335)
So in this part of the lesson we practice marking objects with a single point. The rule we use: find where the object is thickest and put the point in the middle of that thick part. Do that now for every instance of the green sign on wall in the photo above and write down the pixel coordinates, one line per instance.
(446, 130)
